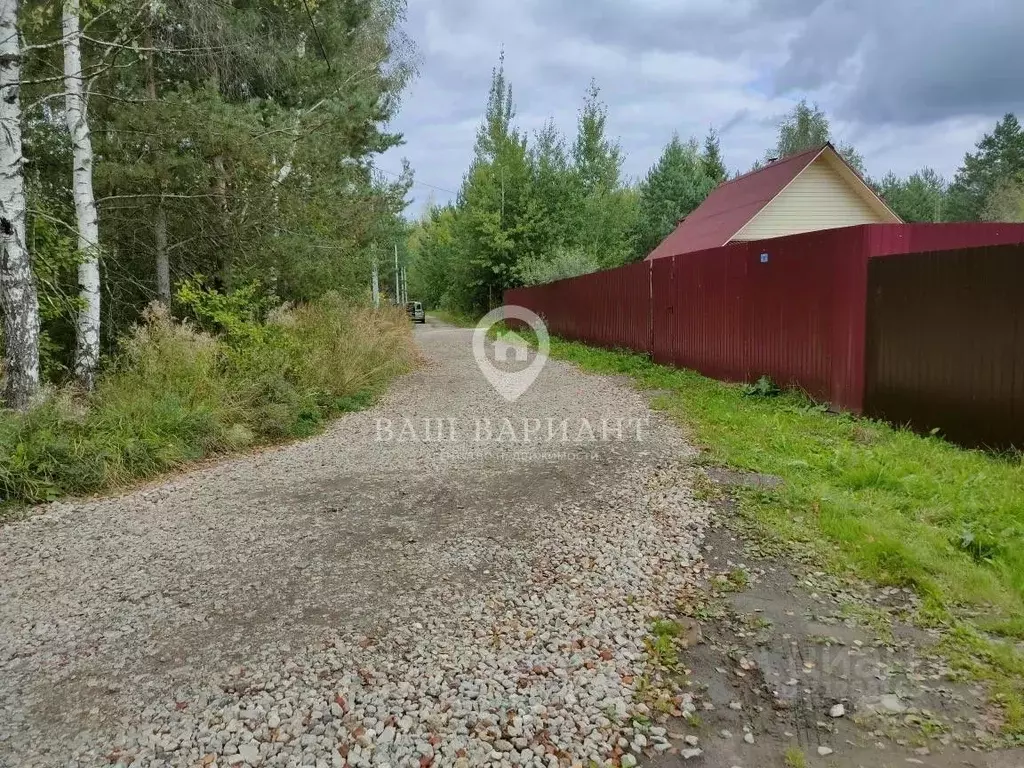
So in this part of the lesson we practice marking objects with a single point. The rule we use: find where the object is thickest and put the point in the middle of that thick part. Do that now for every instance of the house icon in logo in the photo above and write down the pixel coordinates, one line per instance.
(510, 347)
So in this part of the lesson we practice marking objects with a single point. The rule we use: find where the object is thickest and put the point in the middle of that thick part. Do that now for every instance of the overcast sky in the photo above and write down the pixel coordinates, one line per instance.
(908, 83)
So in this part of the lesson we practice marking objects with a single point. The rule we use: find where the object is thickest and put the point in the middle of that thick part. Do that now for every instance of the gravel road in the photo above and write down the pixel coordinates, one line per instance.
(388, 593)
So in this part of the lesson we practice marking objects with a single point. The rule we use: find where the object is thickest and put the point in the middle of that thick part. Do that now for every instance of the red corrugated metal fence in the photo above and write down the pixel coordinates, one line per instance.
(607, 309)
(788, 308)
(793, 308)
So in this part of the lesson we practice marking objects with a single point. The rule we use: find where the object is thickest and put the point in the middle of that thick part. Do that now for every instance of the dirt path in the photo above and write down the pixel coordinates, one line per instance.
(389, 596)
(401, 592)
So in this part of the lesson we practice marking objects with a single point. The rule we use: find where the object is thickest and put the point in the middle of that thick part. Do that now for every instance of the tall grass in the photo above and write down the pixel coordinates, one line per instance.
(175, 395)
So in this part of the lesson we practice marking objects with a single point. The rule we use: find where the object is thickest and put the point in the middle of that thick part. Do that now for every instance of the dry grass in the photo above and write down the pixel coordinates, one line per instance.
(175, 395)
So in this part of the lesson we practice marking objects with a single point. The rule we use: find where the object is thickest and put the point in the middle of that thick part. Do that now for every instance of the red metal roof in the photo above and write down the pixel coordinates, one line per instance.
(732, 204)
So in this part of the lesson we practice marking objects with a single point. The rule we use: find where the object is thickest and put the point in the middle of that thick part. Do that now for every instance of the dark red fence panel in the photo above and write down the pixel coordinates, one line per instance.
(791, 308)
(608, 309)
(945, 343)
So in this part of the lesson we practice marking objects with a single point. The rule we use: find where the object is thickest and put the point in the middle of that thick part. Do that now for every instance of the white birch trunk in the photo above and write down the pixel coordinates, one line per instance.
(87, 352)
(18, 298)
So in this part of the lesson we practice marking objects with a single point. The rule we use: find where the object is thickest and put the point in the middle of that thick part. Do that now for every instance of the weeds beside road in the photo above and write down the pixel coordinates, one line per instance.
(454, 318)
(860, 496)
(178, 393)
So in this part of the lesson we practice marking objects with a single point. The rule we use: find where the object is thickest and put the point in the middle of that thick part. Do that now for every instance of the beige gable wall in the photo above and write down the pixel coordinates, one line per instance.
(819, 198)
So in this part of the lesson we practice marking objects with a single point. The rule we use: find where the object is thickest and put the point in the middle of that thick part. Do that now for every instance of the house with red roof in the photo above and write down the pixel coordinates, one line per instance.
(811, 190)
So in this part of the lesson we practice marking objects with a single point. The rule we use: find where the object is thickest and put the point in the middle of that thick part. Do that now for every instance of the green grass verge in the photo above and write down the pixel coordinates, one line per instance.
(891, 506)
(453, 317)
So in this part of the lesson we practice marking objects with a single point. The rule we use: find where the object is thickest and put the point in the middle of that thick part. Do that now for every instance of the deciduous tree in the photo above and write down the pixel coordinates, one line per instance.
(807, 126)
(18, 298)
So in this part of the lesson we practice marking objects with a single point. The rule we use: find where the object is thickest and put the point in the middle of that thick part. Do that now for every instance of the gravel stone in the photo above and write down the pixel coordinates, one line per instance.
(357, 600)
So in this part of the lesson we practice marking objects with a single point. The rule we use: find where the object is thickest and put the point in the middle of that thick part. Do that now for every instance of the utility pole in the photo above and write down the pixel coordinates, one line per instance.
(405, 285)
(375, 281)
(398, 279)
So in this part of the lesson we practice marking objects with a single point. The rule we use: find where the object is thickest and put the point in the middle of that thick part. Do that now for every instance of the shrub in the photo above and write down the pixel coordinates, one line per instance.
(566, 262)
(175, 393)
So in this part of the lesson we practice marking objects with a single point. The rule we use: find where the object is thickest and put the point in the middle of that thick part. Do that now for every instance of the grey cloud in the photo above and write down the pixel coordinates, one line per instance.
(893, 73)
(911, 62)
(724, 28)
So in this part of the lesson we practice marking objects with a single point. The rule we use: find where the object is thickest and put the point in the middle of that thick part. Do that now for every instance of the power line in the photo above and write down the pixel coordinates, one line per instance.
(414, 181)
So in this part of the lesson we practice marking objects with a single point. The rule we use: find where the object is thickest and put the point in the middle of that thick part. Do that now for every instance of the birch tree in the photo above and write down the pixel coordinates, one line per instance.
(17, 284)
(201, 164)
(87, 350)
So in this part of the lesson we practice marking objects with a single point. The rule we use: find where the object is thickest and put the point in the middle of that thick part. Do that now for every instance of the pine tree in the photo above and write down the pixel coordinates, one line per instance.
(999, 158)
(492, 226)
(711, 159)
(597, 159)
(607, 211)
(495, 130)
(674, 187)
(554, 196)
(920, 197)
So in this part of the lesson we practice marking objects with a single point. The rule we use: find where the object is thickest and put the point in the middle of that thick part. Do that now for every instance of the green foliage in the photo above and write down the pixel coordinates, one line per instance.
(805, 127)
(795, 758)
(675, 186)
(175, 394)
(597, 160)
(236, 314)
(919, 197)
(1005, 202)
(567, 262)
(763, 387)
(661, 643)
(711, 159)
(998, 161)
(224, 120)
(55, 258)
(526, 211)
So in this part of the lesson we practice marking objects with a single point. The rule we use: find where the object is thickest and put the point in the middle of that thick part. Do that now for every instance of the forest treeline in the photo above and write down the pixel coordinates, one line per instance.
(151, 142)
(188, 217)
(532, 209)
